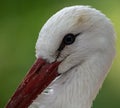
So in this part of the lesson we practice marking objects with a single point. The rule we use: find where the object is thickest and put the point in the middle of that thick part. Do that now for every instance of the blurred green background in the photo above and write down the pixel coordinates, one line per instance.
(20, 23)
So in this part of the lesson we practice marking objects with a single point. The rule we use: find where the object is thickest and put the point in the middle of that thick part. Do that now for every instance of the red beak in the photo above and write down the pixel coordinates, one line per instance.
(38, 78)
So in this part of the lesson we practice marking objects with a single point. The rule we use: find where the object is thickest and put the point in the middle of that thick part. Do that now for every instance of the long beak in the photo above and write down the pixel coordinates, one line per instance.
(38, 78)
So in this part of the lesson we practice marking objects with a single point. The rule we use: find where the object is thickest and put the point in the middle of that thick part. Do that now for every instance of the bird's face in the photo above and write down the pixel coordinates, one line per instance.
(68, 39)
(86, 30)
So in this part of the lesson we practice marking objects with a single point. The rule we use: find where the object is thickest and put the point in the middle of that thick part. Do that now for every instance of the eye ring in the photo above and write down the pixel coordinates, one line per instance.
(69, 39)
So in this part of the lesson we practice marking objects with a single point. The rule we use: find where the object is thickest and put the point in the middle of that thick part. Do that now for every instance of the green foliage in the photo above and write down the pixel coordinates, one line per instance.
(20, 22)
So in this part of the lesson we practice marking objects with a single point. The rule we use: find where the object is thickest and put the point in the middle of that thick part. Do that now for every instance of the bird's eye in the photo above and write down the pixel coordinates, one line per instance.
(69, 39)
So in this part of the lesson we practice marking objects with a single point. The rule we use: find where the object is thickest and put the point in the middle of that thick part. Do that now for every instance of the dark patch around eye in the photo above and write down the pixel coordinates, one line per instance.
(67, 40)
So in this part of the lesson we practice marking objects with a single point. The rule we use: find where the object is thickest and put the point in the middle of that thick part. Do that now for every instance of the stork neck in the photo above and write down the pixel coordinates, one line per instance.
(84, 82)
(78, 87)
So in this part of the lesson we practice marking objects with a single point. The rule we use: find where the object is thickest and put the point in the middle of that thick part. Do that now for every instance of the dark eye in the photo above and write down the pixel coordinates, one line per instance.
(69, 39)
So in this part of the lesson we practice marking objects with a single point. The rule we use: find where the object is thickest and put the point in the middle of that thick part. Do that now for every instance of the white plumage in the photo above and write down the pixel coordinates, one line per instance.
(85, 63)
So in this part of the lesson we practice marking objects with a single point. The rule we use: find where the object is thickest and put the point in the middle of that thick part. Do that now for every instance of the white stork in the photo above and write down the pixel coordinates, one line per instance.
(74, 51)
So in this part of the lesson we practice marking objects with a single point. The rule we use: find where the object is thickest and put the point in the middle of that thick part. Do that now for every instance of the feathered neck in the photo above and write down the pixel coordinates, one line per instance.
(78, 87)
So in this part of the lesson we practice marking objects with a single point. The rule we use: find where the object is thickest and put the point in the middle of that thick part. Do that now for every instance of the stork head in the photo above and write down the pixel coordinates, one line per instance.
(70, 38)
(73, 35)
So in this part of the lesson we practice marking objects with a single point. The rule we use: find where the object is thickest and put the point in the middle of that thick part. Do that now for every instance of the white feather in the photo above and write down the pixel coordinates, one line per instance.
(85, 63)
